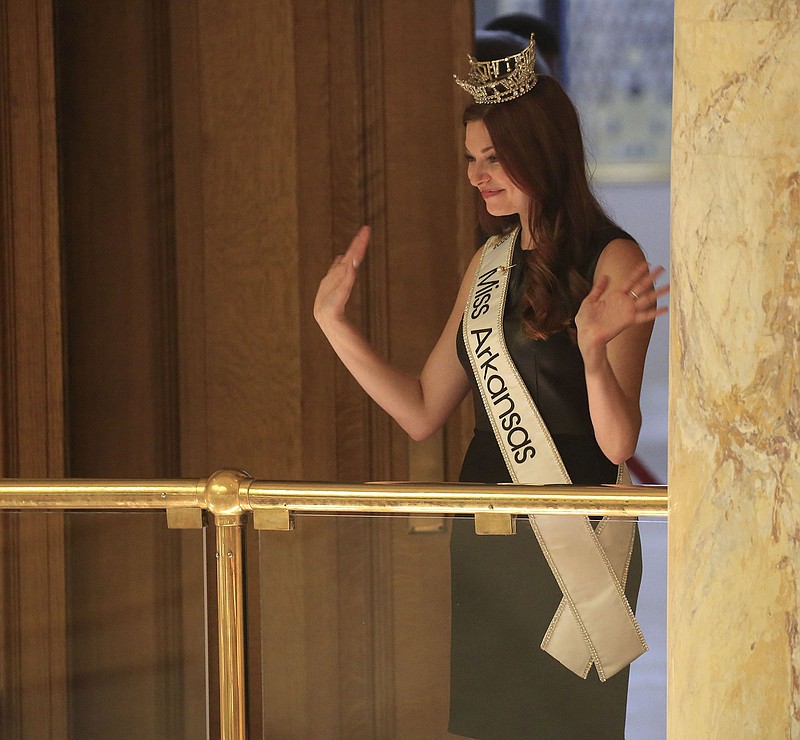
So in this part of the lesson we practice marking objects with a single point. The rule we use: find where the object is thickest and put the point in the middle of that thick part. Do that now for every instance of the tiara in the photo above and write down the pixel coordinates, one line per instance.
(500, 80)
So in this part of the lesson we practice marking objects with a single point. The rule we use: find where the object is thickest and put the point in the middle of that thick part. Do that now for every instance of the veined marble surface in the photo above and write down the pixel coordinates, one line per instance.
(736, 10)
(734, 475)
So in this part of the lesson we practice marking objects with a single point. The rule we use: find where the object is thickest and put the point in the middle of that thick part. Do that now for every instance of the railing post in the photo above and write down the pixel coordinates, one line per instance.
(223, 500)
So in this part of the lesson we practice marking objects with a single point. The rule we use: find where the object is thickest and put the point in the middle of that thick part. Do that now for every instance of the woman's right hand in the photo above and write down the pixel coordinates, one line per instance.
(418, 403)
(337, 285)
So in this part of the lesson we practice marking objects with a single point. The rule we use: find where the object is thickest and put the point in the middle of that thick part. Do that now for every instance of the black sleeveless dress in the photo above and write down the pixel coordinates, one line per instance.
(503, 686)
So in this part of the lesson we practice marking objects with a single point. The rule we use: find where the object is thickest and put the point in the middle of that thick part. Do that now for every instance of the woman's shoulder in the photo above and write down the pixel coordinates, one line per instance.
(611, 243)
(619, 257)
(607, 233)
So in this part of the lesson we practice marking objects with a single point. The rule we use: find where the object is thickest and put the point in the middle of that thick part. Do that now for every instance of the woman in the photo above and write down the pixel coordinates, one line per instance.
(576, 302)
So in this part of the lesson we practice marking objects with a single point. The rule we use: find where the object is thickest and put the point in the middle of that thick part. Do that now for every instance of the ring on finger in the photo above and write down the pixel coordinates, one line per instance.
(634, 295)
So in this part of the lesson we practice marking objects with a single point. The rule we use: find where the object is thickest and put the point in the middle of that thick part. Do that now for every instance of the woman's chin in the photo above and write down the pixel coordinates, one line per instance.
(494, 211)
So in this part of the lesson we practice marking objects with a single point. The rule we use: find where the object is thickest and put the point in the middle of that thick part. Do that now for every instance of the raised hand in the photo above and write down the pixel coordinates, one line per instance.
(606, 313)
(337, 285)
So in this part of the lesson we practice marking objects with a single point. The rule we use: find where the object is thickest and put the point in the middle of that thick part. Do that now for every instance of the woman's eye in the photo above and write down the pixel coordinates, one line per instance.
(492, 158)
(469, 158)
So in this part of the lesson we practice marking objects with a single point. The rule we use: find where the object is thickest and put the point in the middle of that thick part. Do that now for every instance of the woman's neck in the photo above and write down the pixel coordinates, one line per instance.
(525, 237)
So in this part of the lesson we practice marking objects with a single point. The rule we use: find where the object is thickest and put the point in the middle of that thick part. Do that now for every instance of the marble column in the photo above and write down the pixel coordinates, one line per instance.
(734, 472)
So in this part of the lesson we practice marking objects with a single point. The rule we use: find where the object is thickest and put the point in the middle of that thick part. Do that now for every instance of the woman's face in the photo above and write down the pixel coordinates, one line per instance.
(485, 172)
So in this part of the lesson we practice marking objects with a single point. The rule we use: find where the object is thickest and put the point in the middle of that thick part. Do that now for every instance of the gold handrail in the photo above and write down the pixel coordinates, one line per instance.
(228, 495)
(309, 497)
(458, 498)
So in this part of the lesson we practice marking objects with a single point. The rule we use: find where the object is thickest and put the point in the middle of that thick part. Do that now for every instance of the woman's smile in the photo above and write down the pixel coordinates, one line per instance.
(490, 193)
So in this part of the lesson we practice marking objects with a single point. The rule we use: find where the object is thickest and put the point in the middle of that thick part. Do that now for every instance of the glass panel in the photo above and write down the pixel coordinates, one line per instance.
(136, 636)
(102, 627)
(358, 640)
(647, 695)
(136, 626)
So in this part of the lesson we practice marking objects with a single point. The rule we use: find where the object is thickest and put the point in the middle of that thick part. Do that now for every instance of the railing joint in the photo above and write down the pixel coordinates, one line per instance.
(492, 522)
(194, 518)
(276, 519)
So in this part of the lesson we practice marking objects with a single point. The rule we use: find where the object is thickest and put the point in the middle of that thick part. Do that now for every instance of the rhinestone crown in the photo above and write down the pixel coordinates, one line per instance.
(500, 80)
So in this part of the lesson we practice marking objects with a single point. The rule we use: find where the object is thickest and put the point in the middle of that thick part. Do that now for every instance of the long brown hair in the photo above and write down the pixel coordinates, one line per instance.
(537, 139)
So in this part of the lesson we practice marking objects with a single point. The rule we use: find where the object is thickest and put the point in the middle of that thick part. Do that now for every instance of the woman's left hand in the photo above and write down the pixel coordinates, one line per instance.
(605, 313)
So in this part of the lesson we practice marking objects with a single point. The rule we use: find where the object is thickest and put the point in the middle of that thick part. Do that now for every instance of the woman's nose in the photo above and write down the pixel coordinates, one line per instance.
(477, 175)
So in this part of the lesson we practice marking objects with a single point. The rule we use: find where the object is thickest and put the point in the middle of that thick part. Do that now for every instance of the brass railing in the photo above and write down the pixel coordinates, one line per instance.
(229, 495)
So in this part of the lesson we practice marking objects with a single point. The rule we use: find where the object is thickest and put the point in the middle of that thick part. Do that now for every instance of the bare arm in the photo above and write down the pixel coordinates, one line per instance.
(614, 325)
(421, 405)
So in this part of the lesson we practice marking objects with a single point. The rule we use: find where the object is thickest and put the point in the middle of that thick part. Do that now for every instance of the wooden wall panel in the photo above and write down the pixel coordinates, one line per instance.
(131, 582)
(118, 241)
(32, 619)
(236, 236)
(32, 418)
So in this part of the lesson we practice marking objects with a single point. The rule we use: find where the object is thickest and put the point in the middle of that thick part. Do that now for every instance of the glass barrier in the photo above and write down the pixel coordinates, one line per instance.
(373, 610)
(364, 618)
(127, 616)
(647, 695)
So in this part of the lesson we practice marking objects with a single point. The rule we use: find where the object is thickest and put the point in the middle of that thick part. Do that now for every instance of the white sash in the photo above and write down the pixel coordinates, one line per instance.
(594, 623)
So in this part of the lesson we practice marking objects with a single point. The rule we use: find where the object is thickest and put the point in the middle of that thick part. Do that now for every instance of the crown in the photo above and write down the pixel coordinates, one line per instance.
(500, 80)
